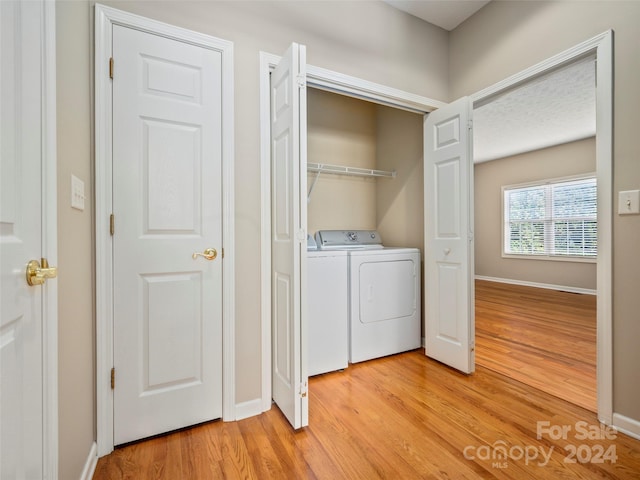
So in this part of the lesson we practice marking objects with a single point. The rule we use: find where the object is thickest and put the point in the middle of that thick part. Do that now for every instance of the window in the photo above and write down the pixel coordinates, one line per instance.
(556, 219)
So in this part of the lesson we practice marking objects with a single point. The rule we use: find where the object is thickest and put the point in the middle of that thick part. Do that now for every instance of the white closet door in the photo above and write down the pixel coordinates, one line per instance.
(449, 294)
(288, 235)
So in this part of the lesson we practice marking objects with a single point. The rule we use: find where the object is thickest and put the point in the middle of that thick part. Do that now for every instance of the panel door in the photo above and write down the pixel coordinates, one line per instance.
(167, 207)
(21, 381)
(449, 287)
(288, 236)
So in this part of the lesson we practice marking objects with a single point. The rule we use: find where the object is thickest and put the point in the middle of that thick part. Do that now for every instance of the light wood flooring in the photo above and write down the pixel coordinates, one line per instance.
(544, 338)
(399, 417)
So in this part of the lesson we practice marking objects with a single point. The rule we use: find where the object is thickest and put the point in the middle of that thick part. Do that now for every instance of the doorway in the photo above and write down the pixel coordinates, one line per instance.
(544, 254)
(602, 47)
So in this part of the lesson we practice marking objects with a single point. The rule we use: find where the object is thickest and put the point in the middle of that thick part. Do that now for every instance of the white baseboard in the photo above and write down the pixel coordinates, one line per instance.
(627, 425)
(248, 409)
(548, 286)
(90, 464)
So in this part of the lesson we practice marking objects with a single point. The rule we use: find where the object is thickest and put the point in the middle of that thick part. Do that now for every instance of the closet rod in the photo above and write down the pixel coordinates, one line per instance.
(342, 170)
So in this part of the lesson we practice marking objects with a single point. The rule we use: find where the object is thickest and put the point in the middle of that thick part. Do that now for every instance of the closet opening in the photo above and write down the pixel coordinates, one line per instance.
(364, 178)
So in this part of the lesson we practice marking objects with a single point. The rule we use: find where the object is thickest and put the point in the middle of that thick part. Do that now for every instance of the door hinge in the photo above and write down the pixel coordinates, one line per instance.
(112, 224)
(113, 378)
(302, 81)
(111, 67)
(303, 390)
(470, 124)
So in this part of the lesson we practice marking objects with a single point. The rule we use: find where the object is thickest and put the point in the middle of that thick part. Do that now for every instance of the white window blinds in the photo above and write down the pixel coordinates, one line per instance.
(555, 219)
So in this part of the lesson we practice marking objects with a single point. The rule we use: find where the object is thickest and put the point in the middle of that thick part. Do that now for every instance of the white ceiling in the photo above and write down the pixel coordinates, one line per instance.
(553, 109)
(447, 14)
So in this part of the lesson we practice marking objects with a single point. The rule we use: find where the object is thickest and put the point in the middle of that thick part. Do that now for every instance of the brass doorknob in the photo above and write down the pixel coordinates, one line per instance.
(37, 274)
(208, 254)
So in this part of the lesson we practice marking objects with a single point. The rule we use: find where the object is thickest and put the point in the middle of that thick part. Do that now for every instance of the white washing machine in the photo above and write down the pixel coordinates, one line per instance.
(327, 304)
(384, 293)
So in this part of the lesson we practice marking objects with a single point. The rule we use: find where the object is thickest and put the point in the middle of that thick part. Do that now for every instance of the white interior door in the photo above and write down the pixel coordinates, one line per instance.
(167, 206)
(288, 231)
(449, 286)
(21, 312)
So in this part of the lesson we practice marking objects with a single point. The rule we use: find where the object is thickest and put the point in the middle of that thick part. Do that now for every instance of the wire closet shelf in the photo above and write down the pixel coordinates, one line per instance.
(319, 168)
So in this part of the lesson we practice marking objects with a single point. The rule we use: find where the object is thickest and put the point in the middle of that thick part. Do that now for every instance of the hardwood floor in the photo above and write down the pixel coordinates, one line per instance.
(399, 417)
(544, 338)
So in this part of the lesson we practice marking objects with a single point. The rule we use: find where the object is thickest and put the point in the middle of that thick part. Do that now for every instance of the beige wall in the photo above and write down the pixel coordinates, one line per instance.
(76, 385)
(346, 131)
(337, 38)
(554, 162)
(400, 209)
(341, 131)
(506, 37)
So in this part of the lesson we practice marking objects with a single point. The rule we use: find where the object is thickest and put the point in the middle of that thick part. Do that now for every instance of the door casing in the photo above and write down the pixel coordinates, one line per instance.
(50, 242)
(105, 18)
(600, 45)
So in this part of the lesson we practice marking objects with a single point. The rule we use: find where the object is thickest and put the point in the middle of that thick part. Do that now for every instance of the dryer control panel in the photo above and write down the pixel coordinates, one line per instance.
(348, 239)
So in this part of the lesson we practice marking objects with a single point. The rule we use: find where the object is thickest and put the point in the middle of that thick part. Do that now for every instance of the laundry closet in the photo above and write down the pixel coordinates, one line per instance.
(346, 134)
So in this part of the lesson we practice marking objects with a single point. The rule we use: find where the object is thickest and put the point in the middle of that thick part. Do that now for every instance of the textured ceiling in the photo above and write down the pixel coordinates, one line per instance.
(447, 14)
(553, 109)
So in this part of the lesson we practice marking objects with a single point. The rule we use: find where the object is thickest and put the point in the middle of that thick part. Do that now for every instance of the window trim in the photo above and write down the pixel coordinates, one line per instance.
(539, 183)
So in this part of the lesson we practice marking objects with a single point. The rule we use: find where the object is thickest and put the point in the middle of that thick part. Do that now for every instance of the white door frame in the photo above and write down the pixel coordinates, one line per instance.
(105, 18)
(49, 242)
(600, 45)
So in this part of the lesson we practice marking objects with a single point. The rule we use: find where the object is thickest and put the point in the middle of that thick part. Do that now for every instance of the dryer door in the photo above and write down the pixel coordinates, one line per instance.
(387, 290)
(384, 304)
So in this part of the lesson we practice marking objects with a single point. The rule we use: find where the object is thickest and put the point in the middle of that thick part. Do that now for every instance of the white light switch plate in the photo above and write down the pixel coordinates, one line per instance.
(77, 193)
(629, 202)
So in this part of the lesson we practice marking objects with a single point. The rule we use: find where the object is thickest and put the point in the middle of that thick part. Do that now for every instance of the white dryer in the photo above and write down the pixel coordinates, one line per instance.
(384, 294)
